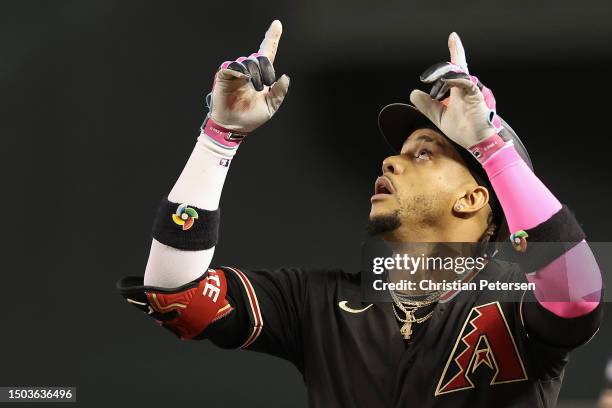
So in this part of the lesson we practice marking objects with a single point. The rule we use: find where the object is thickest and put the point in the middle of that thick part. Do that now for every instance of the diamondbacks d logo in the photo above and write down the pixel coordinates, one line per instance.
(485, 339)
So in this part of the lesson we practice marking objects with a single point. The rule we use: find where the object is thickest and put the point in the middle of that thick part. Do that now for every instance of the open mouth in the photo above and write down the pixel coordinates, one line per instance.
(383, 186)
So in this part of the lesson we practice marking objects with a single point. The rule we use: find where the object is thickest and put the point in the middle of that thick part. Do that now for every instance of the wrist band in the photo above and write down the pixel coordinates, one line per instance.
(484, 150)
(186, 227)
(221, 136)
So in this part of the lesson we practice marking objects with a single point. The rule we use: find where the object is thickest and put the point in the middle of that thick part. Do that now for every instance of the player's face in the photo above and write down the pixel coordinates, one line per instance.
(419, 186)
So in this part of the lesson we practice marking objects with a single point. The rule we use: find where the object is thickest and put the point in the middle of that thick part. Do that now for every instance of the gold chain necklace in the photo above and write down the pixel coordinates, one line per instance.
(406, 329)
(426, 300)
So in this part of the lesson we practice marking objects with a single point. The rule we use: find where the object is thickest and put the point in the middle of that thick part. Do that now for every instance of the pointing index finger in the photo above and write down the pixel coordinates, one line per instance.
(269, 45)
(457, 53)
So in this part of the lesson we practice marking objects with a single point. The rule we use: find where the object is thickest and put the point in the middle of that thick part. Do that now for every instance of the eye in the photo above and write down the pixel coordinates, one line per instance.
(423, 154)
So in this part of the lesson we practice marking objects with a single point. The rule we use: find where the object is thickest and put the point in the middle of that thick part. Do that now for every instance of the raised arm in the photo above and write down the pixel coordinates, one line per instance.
(178, 289)
(564, 308)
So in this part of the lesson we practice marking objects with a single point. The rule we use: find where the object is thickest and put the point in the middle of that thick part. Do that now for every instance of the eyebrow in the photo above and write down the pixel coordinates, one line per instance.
(427, 138)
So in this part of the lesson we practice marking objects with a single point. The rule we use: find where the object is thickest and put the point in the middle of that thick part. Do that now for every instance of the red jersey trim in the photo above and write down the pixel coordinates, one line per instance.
(253, 304)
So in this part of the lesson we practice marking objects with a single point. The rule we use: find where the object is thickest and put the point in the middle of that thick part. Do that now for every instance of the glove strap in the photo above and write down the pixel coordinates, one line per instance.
(221, 136)
(484, 150)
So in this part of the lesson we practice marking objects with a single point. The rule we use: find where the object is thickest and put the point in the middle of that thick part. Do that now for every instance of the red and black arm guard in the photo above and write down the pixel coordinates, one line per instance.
(187, 310)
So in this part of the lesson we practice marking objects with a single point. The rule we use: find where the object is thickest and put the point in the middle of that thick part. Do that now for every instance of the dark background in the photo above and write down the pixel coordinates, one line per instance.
(101, 105)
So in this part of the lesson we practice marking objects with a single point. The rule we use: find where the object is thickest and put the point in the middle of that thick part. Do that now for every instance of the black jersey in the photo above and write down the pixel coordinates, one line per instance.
(474, 351)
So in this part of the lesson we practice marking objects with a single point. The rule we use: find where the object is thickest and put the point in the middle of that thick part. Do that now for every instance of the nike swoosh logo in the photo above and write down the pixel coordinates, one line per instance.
(343, 305)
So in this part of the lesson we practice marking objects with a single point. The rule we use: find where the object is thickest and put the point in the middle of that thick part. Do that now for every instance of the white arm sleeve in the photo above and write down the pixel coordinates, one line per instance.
(200, 184)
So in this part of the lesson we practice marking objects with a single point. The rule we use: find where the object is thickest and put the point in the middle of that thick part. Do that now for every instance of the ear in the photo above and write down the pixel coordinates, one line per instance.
(471, 201)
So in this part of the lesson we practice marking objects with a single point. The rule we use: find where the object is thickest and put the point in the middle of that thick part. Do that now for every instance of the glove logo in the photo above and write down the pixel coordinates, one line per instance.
(185, 216)
(519, 241)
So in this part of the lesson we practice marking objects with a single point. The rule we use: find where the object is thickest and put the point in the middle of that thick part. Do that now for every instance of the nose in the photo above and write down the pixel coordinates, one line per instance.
(392, 165)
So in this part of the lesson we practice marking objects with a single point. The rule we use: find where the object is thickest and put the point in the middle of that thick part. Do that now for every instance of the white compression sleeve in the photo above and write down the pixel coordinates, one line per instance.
(200, 184)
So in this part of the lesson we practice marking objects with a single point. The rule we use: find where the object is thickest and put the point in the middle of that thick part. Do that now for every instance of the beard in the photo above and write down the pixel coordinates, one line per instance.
(382, 224)
(419, 212)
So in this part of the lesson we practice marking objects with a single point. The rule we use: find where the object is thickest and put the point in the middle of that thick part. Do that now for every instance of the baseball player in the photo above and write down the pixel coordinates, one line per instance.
(458, 174)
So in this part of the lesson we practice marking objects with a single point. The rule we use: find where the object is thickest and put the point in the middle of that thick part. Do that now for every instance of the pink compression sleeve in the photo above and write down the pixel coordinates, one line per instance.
(571, 285)
(518, 190)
